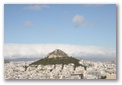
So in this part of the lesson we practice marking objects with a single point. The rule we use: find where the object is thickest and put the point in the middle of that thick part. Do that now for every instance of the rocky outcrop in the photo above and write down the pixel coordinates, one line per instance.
(57, 53)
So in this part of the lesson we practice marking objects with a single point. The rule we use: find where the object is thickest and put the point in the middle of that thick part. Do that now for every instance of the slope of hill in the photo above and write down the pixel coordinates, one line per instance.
(57, 57)
(58, 60)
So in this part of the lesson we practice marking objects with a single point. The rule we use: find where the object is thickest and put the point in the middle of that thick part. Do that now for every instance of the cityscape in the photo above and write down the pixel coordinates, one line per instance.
(60, 41)
(60, 70)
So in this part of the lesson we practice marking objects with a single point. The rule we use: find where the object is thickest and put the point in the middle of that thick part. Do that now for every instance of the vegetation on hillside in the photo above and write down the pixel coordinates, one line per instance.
(58, 60)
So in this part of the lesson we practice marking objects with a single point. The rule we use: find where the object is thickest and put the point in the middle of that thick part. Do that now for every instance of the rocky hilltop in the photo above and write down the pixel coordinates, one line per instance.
(57, 57)
(57, 53)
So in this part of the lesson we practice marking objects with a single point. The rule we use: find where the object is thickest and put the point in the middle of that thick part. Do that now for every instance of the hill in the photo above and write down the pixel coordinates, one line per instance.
(57, 57)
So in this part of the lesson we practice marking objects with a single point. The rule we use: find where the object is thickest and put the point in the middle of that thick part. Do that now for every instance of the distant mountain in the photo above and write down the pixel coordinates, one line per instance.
(57, 57)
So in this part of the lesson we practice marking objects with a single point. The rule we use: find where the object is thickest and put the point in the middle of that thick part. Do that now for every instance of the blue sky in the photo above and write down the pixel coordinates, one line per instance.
(60, 24)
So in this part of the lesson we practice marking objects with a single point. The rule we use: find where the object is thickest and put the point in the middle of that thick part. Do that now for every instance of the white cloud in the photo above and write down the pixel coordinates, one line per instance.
(28, 24)
(36, 7)
(35, 50)
(79, 20)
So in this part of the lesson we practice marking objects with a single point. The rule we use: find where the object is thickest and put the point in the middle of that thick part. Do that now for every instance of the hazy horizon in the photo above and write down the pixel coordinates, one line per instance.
(38, 51)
